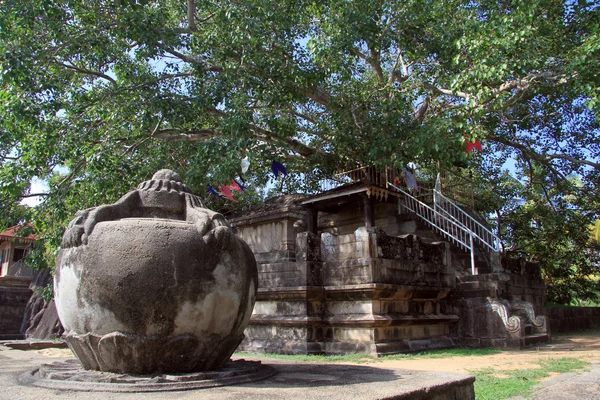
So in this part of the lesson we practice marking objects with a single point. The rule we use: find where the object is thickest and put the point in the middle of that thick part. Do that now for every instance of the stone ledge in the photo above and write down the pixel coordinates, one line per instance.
(268, 216)
(353, 320)
(290, 293)
(367, 291)
(15, 282)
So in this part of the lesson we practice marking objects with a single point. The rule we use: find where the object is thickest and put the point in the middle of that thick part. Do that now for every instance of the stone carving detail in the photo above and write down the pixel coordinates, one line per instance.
(154, 283)
(525, 309)
(501, 307)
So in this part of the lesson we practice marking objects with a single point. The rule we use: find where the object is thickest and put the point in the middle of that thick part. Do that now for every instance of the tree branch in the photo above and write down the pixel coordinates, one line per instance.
(86, 71)
(522, 84)
(191, 60)
(319, 95)
(394, 73)
(303, 116)
(33, 195)
(375, 63)
(191, 10)
(78, 166)
(545, 159)
(420, 114)
(177, 135)
(263, 135)
(173, 76)
(372, 60)
(448, 92)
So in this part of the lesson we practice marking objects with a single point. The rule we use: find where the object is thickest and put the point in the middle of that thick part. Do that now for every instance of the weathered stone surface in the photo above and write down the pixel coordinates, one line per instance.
(481, 321)
(154, 283)
(14, 295)
(45, 323)
(41, 319)
(493, 322)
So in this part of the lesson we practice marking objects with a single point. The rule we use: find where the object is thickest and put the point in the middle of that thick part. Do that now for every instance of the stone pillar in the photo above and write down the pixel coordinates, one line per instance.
(288, 240)
(312, 219)
(369, 208)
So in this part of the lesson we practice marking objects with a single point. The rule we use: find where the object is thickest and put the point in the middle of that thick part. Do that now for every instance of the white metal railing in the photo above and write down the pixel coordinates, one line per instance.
(452, 222)
(441, 222)
(481, 233)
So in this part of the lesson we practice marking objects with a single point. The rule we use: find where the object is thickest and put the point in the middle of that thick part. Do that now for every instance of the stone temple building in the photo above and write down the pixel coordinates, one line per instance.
(370, 267)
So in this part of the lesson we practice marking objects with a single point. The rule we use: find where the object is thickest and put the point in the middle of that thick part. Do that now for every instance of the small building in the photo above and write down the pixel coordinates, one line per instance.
(13, 248)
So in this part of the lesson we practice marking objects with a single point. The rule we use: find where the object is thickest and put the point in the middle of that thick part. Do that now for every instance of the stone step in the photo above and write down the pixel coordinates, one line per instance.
(478, 289)
(537, 338)
(477, 285)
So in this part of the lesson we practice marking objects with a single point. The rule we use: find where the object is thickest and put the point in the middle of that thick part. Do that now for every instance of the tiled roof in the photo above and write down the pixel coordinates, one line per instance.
(12, 233)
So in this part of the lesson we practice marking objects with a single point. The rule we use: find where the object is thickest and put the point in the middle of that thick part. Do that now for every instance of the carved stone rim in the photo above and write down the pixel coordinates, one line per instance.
(69, 375)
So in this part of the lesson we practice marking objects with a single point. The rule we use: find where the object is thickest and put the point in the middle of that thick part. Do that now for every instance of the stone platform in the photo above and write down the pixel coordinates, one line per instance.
(70, 376)
(292, 380)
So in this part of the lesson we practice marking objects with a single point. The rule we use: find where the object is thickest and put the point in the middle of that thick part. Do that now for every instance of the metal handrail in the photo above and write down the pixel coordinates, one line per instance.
(480, 232)
(449, 227)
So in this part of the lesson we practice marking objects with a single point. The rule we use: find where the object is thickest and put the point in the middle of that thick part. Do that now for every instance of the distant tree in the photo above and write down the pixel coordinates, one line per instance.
(544, 221)
(98, 94)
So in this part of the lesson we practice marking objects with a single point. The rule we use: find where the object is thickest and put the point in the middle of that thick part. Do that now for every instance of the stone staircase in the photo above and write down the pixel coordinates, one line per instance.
(498, 286)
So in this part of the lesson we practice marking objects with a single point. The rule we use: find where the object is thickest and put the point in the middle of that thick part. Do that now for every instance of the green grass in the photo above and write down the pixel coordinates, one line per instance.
(443, 354)
(362, 358)
(492, 384)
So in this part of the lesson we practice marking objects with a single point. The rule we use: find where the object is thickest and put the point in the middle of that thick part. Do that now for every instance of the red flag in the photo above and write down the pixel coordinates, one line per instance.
(475, 145)
(226, 190)
(234, 185)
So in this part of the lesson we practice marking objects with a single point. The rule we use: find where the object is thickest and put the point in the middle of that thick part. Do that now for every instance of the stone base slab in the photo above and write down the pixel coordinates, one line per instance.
(293, 380)
(69, 375)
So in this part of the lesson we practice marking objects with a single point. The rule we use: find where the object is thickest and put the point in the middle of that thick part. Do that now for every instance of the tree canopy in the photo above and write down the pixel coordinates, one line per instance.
(96, 95)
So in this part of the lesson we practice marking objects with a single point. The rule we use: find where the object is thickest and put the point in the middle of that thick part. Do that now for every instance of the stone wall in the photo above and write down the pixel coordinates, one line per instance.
(370, 255)
(271, 233)
(41, 319)
(14, 295)
(570, 319)
(349, 219)
(364, 292)
(379, 290)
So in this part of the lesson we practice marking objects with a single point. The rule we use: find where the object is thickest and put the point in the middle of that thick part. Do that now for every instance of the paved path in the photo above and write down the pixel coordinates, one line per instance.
(570, 386)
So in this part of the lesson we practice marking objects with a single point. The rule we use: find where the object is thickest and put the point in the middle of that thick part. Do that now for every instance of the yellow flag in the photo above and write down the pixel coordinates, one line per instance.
(595, 230)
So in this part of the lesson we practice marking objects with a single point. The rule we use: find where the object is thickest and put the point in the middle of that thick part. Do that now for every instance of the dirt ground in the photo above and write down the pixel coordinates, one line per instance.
(584, 347)
(581, 346)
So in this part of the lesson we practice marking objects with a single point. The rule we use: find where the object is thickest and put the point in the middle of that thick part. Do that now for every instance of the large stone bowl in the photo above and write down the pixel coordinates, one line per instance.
(148, 295)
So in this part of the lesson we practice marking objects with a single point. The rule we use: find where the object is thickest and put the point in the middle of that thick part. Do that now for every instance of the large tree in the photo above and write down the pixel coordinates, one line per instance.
(98, 94)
